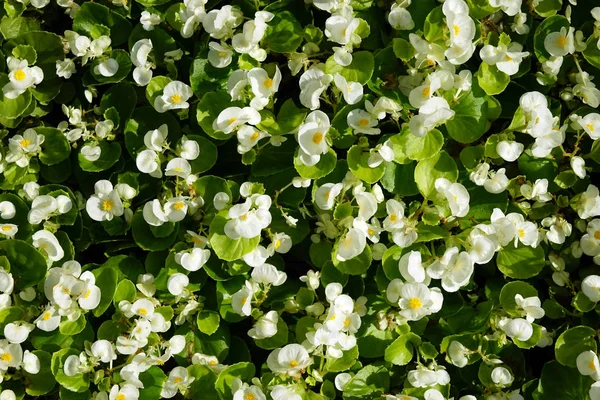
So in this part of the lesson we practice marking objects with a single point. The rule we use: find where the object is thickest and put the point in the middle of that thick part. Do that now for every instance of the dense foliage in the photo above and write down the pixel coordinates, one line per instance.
(320, 199)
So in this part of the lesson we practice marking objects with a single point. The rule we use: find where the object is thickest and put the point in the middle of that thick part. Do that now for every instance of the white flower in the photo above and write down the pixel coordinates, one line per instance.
(411, 267)
(48, 320)
(312, 279)
(382, 152)
(289, 360)
(497, 183)
(125, 392)
(280, 243)
(107, 68)
(280, 392)
(509, 151)
(517, 328)
(312, 137)
(506, 58)
(587, 364)
(351, 245)
(178, 381)
(560, 43)
(432, 113)
(233, 118)
(502, 377)
(267, 274)
(400, 18)
(91, 152)
(21, 77)
(148, 162)
(241, 301)
(11, 355)
(590, 286)
(342, 29)
(352, 91)
(326, 194)
(31, 364)
(265, 327)
(312, 84)
(140, 52)
(531, 307)
(588, 205)
(248, 137)
(47, 243)
(244, 221)
(65, 68)
(454, 269)
(178, 167)
(219, 54)
(17, 333)
(149, 20)
(423, 377)
(177, 283)
(458, 354)
(194, 260)
(243, 391)
(417, 301)
(456, 194)
(105, 203)
(590, 124)
(7, 210)
(175, 96)
(263, 86)
(362, 122)
(510, 7)
(8, 230)
(104, 351)
(537, 192)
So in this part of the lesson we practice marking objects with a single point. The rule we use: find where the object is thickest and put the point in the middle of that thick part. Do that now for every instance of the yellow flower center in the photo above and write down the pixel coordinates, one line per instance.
(521, 233)
(176, 98)
(142, 311)
(212, 362)
(20, 75)
(268, 83)
(370, 231)
(249, 396)
(426, 92)
(597, 235)
(66, 290)
(346, 322)
(590, 127)
(456, 29)
(160, 362)
(508, 58)
(6, 228)
(6, 357)
(222, 54)
(277, 244)
(178, 380)
(178, 169)
(179, 205)
(562, 41)
(47, 316)
(231, 121)
(333, 317)
(415, 303)
(25, 142)
(592, 366)
(363, 122)
(254, 135)
(317, 138)
(120, 396)
(87, 294)
(244, 299)
(327, 195)
(244, 217)
(293, 363)
(393, 217)
(107, 205)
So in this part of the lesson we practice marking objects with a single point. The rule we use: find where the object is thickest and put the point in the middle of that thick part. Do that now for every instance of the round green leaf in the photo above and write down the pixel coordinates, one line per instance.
(572, 342)
(521, 262)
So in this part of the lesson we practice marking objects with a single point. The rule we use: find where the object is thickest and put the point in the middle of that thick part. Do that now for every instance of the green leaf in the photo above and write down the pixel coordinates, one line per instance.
(508, 293)
(43, 382)
(143, 236)
(403, 49)
(470, 118)
(55, 148)
(125, 291)
(225, 248)
(400, 352)
(123, 98)
(207, 157)
(360, 69)
(562, 383)
(15, 27)
(208, 321)
(25, 52)
(207, 187)
(572, 342)
(434, 25)
(429, 170)
(122, 58)
(284, 33)
(408, 147)
(547, 8)
(10, 314)
(106, 280)
(358, 164)
(204, 382)
(533, 340)
(70, 328)
(243, 371)
(491, 79)
(110, 152)
(28, 266)
(521, 262)
(145, 119)
(90, 15)
(343, 363)
(325, 165)
(153, 380)
(537, 168)
(76, 383)
(20, 218)
(370, 382)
